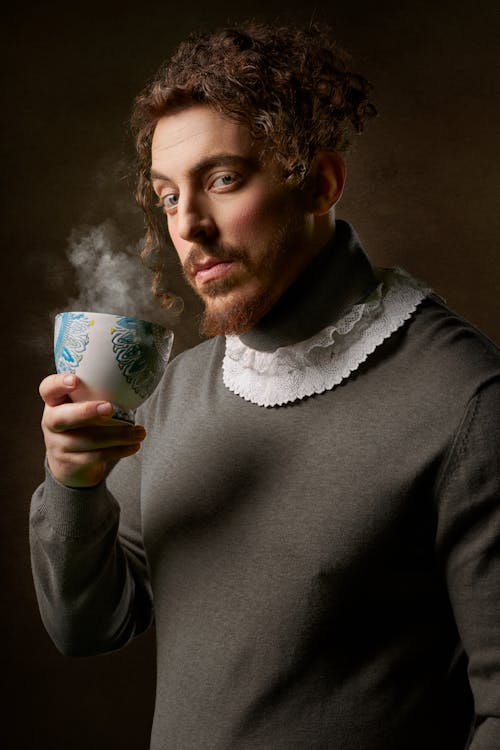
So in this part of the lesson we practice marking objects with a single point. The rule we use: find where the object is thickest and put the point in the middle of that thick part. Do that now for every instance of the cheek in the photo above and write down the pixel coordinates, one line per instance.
(254, 218)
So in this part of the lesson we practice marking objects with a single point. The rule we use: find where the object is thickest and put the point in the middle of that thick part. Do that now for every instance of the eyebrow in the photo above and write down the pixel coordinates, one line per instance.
(217, 160)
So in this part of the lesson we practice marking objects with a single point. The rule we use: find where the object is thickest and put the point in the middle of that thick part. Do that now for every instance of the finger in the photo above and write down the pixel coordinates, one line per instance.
(73, 415)
(99, 456)
(97, 438)
(56, 389)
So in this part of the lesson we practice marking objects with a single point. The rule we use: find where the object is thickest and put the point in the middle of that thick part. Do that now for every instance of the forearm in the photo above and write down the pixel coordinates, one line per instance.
(468, 534)
(92, 593)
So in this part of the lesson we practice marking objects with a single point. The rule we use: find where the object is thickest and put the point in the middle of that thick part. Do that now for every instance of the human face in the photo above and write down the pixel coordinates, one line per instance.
(241, 234)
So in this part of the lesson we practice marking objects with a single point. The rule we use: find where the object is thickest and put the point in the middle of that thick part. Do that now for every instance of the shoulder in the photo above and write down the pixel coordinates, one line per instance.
(446, 354)
(453, 341)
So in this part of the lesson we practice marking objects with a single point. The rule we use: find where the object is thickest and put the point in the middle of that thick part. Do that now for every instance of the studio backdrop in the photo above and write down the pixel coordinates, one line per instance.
(422, 192)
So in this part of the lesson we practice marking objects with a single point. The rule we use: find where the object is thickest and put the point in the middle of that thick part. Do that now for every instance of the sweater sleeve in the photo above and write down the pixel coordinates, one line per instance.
(469, 547)
(89, 568)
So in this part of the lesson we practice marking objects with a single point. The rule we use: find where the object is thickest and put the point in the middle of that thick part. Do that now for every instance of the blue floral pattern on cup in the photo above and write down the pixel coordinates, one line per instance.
(71, 338)
(137, 345)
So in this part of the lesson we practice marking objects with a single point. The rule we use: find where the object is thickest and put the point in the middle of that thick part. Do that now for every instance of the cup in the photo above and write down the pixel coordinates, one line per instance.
(117, 358)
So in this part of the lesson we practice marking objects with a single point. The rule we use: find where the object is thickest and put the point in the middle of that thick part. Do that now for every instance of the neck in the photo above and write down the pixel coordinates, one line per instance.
(335, 280)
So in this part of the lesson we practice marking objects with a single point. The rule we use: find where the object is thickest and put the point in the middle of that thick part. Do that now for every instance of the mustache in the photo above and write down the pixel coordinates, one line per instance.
(200, 253)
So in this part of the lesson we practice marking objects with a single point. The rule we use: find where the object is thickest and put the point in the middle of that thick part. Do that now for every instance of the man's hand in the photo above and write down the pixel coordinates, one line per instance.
(82, 439)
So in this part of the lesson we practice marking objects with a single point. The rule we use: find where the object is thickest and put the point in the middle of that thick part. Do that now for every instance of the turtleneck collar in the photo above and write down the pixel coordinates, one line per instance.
(339, 277)
(333, 317)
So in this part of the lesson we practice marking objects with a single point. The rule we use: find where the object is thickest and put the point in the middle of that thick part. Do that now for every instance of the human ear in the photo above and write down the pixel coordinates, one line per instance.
(326, 180)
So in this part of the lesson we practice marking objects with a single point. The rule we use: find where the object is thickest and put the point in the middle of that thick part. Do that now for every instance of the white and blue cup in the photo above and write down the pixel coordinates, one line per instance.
(117, 358)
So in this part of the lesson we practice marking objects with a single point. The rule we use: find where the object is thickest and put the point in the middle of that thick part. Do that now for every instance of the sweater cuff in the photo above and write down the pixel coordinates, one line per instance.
(72, 512)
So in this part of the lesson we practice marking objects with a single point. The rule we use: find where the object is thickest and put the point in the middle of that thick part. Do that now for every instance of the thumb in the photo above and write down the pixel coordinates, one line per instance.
(57, 389)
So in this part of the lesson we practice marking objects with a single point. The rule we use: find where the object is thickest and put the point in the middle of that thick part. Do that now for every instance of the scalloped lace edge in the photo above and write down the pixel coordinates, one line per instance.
(321, 362)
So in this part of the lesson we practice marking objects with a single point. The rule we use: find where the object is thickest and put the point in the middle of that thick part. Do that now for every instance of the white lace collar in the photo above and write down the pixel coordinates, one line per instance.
(321, 362)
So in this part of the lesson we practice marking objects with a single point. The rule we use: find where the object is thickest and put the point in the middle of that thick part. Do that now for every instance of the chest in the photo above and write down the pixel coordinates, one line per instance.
(339, 482)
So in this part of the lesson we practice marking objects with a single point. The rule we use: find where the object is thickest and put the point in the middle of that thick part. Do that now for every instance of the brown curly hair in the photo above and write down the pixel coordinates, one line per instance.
(291, 87)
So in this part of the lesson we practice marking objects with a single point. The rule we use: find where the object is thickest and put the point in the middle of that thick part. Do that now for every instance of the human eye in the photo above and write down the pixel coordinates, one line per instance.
(225, 180)
(168, 201)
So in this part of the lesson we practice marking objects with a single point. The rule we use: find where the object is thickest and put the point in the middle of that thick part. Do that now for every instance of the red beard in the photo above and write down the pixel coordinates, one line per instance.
(239, 316)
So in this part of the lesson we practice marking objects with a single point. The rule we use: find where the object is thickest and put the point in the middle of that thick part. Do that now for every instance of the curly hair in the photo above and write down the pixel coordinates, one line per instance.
(292, 88)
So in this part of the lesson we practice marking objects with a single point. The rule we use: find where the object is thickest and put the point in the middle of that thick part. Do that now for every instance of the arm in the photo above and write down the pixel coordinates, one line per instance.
(469, 545)
(91, 581)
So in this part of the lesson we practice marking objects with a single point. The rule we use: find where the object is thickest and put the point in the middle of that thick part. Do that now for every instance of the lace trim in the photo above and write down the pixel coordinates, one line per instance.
(321, 362)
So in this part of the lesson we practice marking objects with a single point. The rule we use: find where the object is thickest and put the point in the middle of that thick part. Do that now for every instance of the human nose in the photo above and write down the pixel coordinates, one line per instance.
(194, 220)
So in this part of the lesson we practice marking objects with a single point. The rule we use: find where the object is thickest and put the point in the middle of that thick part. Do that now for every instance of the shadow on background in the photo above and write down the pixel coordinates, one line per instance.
(422, 192)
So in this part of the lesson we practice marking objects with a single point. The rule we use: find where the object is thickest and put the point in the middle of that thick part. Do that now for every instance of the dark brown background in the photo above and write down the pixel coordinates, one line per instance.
(423, 192)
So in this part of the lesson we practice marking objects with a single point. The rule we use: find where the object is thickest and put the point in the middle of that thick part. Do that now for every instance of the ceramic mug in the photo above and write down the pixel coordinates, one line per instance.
(117, 358)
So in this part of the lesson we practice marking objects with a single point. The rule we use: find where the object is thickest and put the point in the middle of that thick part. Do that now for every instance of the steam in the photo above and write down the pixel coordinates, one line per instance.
(110, 276)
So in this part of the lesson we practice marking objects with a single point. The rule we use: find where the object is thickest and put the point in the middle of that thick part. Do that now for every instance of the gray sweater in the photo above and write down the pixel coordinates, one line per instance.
(323, 575)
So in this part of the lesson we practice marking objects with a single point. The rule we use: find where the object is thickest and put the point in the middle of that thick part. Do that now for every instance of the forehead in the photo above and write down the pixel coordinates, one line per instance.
(186, 137)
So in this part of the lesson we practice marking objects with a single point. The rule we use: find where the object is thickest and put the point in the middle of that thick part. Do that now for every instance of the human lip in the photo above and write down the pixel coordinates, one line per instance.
(210, 270)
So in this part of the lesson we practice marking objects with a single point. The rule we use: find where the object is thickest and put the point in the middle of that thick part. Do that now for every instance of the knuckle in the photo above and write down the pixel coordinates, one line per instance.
(50, 445)
(46, 415)
(56, 423)
(83, 459)
(42, 389)
(48, 431)
(46, 385)
(87, 411)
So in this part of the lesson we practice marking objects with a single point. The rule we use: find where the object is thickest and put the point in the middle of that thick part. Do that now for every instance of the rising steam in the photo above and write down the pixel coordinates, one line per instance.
(110, 276)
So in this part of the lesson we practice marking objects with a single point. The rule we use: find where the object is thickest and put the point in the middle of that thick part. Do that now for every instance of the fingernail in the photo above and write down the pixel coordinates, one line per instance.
(69, 380)
(104, 408)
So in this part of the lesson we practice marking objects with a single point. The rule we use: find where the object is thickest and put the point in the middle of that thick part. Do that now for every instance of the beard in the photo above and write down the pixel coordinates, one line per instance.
(236, 318)
(240, 312)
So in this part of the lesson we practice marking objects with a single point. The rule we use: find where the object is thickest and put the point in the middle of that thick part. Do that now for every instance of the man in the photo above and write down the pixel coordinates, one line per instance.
(313, 517)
